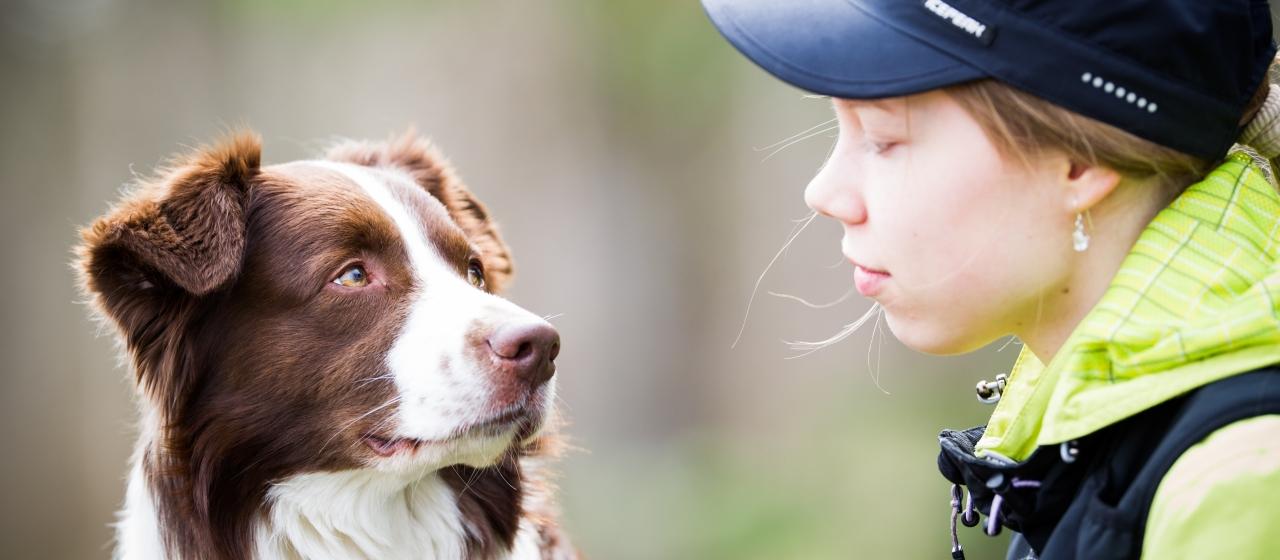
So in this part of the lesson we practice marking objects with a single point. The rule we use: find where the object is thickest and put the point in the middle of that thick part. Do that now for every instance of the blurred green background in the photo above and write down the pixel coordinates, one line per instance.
(620, 143)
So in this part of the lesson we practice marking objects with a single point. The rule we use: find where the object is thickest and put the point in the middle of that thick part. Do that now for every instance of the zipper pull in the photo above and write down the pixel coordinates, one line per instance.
(1069, 451)
(989, 391)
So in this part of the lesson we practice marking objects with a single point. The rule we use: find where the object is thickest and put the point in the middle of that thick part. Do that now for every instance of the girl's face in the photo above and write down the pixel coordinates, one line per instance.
(958, 243)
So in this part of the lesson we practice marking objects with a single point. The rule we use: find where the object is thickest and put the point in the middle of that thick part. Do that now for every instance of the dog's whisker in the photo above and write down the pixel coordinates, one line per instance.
(562, 404)
(465, 484)
(367, 380)
(552, 317)
(475, 475)
(498, 469)
(378, 427)
(348, 424)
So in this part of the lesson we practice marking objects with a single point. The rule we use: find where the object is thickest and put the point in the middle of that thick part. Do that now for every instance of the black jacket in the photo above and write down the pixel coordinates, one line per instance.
(1089, 499)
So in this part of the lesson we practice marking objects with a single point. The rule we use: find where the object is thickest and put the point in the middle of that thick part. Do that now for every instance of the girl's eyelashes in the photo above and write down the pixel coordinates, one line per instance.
(878, 146)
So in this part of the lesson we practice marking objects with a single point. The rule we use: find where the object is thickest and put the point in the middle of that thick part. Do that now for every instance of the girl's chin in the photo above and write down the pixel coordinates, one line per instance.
(930, 337)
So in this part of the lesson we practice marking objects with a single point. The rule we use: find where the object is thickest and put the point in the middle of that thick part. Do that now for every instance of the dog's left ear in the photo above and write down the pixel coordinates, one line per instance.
(173, 241)
(418, 157)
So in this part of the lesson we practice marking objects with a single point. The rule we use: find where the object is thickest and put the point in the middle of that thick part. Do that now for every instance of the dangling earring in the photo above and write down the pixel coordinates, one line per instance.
(1079, 239)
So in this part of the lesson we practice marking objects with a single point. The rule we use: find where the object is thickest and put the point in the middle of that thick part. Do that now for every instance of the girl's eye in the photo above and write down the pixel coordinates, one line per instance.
(475, 274)
(353, 277)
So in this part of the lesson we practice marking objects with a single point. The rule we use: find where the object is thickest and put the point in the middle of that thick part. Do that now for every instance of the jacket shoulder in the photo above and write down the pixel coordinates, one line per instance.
(1218, 499)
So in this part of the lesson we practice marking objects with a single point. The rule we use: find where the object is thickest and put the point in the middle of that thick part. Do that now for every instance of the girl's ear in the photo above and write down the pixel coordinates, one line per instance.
(1088, 184)
(420, 159)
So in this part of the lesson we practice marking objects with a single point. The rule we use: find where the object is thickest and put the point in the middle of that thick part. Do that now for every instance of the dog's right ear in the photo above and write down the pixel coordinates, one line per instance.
(181, 235)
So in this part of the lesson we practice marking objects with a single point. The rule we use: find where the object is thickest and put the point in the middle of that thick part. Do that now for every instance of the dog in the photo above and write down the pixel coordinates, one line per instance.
(323, 365)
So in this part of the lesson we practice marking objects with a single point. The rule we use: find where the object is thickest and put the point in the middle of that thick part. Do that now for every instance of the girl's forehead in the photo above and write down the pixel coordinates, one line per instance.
(935, 105)
(888, 105)
(891, 112)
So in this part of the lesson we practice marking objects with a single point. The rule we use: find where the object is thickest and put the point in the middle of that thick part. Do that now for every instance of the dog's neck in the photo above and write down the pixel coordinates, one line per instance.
(348, 514)
(362, 514)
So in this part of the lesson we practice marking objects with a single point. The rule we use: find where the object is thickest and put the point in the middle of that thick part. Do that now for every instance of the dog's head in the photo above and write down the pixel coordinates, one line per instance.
(319, 315)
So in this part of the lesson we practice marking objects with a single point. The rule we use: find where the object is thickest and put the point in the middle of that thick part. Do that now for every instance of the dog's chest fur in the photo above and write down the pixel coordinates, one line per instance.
(337, 515)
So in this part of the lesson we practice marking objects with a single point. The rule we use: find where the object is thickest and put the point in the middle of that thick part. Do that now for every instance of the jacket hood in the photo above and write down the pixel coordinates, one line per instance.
(1196, 300)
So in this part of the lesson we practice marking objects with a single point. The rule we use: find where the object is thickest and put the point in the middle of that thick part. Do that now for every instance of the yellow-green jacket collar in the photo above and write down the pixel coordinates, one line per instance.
(1196, 300)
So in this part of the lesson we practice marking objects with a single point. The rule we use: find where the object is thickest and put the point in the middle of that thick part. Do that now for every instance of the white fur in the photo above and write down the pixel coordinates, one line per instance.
(355, 514)
(348, 514)
(526, 546)
(137, 526)
(362, 514)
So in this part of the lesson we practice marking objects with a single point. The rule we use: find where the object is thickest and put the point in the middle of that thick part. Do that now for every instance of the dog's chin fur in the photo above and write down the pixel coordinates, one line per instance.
(285, 414)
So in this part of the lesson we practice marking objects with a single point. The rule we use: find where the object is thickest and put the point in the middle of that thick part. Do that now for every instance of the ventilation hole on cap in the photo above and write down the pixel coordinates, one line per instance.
(1142, 103)
(1151, 108)
(1109, 87)
(1097, 82)
(1086, 77)
(1120, 92)
(1130, 97)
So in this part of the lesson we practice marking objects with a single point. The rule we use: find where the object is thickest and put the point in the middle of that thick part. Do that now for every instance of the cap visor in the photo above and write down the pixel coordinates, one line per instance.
(834, 47)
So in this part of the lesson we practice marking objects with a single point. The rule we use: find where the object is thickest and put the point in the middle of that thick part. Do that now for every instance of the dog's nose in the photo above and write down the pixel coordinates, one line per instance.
(529, 348)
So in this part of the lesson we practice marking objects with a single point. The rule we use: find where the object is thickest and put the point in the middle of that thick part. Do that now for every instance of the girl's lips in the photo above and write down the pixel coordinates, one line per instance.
(869, 282)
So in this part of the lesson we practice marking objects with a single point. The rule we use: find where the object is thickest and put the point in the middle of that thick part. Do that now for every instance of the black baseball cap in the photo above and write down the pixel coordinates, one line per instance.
(1176, 72)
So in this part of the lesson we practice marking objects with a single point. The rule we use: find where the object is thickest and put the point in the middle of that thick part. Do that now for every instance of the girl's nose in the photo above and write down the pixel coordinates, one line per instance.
(832, 193)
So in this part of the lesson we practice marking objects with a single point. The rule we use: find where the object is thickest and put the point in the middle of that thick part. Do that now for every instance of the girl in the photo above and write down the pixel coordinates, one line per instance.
(1064, 171)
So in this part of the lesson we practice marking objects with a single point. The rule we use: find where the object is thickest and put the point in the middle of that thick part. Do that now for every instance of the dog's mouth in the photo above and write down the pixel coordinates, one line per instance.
(504, 421)
(386, 447)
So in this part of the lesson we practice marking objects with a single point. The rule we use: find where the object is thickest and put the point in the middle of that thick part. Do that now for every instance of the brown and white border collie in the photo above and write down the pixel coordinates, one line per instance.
(323, 367)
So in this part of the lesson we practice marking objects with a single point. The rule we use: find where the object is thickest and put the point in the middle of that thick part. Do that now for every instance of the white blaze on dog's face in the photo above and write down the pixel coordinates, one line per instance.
(472, 371)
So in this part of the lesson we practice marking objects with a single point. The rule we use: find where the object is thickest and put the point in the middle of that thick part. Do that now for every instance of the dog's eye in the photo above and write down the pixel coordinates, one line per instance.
(475, 274)
(353, 277)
